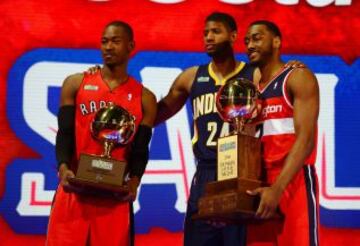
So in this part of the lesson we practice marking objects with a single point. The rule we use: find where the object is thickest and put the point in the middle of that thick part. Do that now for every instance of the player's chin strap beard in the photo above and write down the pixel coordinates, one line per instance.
(223, 51)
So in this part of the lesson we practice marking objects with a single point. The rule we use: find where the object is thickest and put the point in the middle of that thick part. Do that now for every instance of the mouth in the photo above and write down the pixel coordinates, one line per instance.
(108, 56)
(210, 47)
(252, 55)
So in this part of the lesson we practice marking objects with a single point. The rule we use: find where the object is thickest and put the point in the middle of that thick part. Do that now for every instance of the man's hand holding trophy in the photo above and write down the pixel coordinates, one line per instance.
(112, 126)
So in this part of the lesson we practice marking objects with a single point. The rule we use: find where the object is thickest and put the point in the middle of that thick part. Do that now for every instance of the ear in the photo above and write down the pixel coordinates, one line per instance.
(131, 45)
(277, 42)
(233, 36)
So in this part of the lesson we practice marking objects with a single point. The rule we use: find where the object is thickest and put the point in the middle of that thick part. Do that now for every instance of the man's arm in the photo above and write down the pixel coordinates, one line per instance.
(65, 141)
(177, 95)
(149, 108)
(139, 154)
(303, 87)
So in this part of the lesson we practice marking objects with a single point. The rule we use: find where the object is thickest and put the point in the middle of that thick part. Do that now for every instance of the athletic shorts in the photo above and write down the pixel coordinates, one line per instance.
(200, 233)
(299, 205)
(87, 220)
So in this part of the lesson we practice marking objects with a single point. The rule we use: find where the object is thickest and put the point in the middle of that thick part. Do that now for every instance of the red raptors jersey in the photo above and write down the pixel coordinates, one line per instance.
(93, 94)
(277, 115)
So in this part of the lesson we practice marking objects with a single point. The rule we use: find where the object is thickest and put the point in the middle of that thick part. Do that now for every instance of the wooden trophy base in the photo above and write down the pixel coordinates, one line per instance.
(97, 175)
(227, 201)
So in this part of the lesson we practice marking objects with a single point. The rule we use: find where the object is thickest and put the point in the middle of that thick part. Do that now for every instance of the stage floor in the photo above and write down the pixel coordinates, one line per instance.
(159, 236)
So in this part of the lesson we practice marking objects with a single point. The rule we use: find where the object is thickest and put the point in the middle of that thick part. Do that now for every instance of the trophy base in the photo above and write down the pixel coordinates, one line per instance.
(236, 217)
(233, 217)
(88, 186)
(227, 201)
(97, 175)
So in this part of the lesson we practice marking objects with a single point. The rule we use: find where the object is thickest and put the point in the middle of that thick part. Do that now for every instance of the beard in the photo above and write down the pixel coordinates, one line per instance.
(221, 49)
(255, 63)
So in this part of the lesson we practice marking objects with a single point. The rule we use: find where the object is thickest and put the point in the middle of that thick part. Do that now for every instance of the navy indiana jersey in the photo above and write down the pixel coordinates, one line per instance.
(208, 126)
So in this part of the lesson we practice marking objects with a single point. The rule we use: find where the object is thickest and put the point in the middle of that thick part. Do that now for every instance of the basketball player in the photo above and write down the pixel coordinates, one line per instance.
(200, 84)
(93, 220)
(289, 116)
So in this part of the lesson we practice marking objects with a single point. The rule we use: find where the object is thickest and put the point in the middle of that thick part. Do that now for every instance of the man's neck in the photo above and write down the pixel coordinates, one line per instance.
(270, 70)
(223, 66)
(116, 74)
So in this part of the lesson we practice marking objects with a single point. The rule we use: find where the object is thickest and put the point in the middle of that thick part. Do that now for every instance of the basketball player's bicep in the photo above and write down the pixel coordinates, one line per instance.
(179, 90)
(149, 108)
(305, 91)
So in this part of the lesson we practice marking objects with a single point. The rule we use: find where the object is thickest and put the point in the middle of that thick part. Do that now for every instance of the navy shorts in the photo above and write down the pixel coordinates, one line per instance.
(200, 233)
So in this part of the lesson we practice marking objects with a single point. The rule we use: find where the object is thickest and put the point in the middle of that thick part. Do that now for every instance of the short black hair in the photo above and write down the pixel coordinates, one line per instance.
(271, 26)
(224, 18)
(127, 28)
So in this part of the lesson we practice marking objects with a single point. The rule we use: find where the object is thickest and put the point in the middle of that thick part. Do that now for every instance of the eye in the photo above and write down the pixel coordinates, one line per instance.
(217, 31)
(116, 40)
(257, 37)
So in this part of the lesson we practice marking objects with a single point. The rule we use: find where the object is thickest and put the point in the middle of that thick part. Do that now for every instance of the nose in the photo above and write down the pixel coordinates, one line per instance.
(209, 36)
(250, 45)
(108, 45)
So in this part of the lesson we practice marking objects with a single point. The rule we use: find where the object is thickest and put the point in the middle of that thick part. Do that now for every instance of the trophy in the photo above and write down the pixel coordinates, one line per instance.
(238, 157)
(112, 126)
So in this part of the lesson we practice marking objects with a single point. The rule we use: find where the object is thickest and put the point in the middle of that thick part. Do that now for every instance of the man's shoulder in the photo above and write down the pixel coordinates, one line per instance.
(301, 73)
(301, 79)
(74, 80)
(188, 75)
(75, 77)
(192, 70)
(146, 93)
